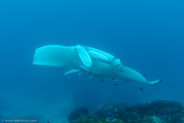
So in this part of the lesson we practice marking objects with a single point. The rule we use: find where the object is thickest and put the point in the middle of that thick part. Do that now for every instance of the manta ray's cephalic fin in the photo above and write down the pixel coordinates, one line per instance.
(84, 56)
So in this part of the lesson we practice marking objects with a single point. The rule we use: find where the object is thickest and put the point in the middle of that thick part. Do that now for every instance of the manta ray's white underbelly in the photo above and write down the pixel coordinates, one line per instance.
(88, 60)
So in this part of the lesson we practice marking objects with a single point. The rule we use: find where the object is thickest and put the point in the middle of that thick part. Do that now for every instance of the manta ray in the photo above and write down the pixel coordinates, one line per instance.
(88, 60)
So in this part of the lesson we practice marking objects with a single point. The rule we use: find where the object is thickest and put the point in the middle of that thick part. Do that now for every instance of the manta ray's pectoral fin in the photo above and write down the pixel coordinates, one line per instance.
(51, 55)
(71, 71)
(84, 56)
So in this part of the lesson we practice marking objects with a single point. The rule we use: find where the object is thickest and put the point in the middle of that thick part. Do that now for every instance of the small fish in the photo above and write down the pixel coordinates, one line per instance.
(115, 84)
(141, 89)
(112, 79)
(109, 113)
(163, 116)
(90, 77)
(157, 90)
(102, 80)
(144, 74)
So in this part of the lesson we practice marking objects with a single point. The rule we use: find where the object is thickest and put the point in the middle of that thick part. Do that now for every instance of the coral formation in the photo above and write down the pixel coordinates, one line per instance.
(155, 112)
(78, 113)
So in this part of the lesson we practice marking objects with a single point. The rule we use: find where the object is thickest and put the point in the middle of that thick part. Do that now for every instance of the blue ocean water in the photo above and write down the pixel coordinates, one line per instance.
(146, 35)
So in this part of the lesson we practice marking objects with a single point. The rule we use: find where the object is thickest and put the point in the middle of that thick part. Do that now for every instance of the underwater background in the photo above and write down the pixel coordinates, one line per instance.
(146, 35)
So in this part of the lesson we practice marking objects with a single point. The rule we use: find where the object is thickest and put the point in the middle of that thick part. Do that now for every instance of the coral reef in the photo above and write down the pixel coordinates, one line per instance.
(155, 112)
(78, 113)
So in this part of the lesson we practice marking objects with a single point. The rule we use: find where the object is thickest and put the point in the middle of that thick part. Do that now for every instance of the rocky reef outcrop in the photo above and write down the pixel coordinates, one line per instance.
(154, 112)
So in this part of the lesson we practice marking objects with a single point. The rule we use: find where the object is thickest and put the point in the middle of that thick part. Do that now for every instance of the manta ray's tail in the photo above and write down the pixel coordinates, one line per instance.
(155, 82)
